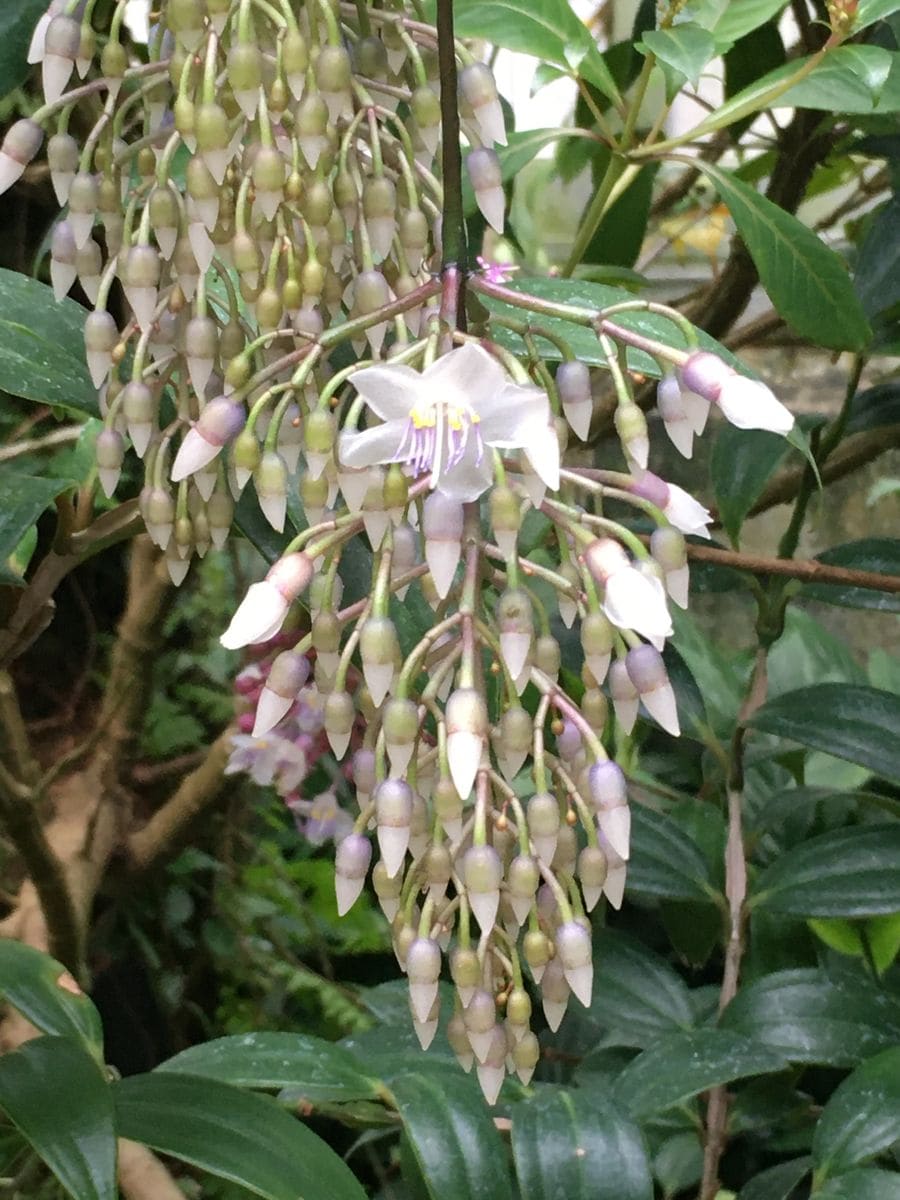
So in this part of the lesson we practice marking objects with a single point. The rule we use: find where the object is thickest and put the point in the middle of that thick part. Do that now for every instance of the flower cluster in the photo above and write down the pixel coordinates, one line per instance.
(266, 191)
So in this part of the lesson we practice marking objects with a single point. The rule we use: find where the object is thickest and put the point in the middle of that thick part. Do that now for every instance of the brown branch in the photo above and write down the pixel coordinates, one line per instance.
(807, 570)
(197, 792)
(14, 735)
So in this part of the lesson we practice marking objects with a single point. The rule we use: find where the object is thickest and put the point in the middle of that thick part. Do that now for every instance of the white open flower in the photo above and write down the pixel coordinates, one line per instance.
(749, 404)
(446, 420)
(686, 513)
(631, 599)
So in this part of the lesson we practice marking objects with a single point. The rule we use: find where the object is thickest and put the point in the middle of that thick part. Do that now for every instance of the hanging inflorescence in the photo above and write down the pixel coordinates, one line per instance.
(266, 191)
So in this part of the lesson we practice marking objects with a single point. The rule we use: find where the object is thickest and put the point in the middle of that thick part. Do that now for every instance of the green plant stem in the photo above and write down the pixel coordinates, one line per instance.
(453, 229)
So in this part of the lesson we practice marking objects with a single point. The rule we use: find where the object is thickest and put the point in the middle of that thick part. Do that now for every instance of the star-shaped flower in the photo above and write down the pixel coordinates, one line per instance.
(446, 420)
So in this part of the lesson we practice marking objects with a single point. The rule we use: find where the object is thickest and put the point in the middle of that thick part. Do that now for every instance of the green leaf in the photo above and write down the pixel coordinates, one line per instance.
(852, 76)
(55, 1094)
(683, 1064)
(546, 29)
(42, 346)
(665, 863)
(870, 11)
(806, 281)
(849, 872)
(850, 721)
(235, 1135)
(22, 500)
(881, 555)
(582, 294)
(578, 1144)
(42, 990)
(741, 465)
(685, 48)
(866, 1183)
(875, 407)
(637, 995)
(862, 1117)
(777, 1183)
(728, 21)
(454, 1139)
(308, 1067)
(17, 22)
(812, 1018)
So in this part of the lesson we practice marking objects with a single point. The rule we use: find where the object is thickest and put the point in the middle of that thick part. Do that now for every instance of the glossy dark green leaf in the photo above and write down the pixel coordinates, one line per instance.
(22, 500)
(881, 555)
(42, 346)
(235, 1135)
(874, 10)
(875, 407)
(309, 1067)
(862, 1118)
(44, 992)
(877, 274)
(866, 1183)
(637, 996)
(806, 281)
(813, 1018)
(681, 1065)
(17, 22)
(583, 294)
(854, 77)
(685, 49)
(849, 872)
(664, 862)
(546, 29)
(849, 721)
(55, 1094)
(623, 230)
(742, 463)
(453, 1136)
(776, 1183)
(580, 1145)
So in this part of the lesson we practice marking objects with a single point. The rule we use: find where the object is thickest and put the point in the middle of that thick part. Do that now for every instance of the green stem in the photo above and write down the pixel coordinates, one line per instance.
(453, 230)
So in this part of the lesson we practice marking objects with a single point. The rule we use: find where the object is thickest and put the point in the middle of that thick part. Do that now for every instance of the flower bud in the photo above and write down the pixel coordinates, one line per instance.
(379, 650)
(515, 737)
(246, 455)
(423, 969)
(467, 729)
(271, 482)
(459, 1041)
(631, 426)
(516, 624)
(543, 824)
(465, 971)
(244, 71)
(219, 422)
(426, 110)
(262, 611)
(448, 807)
(705, 374)
(140, 279)
(62, 159)
(624, 695)
(597, 639)
(268, 180)
(379, 201)
(526, 1055)
(387, 889)
(401, 726)
(482, 871)
(547, 656)
(442, 526)
(675, 418)
(506, 518)
(393, 813)
(288, 673)
(311, 124)
(62, 43)
(648, 674)
(522, 879)
(573, 382)
(555, 992)
(351, 863)
(84, 199)
(213, 135)
(139, 407)
(592, 872)
(480, 1017)
(595, 709)
(319, 434)
(492, 1071)
(339, 716)
(486, 176)
(333, 72)
(479, 93)
(667, 545)
(573, 946)
(63, 256)
(220, 514)
(110, 454)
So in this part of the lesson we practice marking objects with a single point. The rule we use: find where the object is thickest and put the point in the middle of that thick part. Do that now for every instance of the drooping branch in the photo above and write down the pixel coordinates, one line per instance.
(806, 570)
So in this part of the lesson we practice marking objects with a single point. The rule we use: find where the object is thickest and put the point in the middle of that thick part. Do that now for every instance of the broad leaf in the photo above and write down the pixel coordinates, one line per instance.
(877, 274)
(456, 1145)
(813, 1018)
(54, 1092)
(308, 1067)
(22, 500)
(875, 407)
(866, 1183)
(881, 555)
(778, 1182)
(862, 1117)
(43, 991)
(17, 22)
(685, 49)
(42, 346)
(578, 1144)
(664, 862)
(728, 22)
(683, 1064)
(806, 281)
(849, 872)
(741, 465)
(874, 10)
(637, 995)
(236, 1135)
(849, 721)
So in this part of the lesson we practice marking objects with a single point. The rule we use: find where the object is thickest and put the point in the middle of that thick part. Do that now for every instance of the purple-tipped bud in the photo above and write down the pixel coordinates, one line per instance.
(648, 674)
(351, 863)
(220, 422)
(21, 144)
(624, 695)
(478, 92)
(61, 45)
(442, 526)
(573, 946)
(287, 676)
(423, 969)
(110, 453)
(705, 373)
(607, 786)
(678, 424)
(555, 992)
